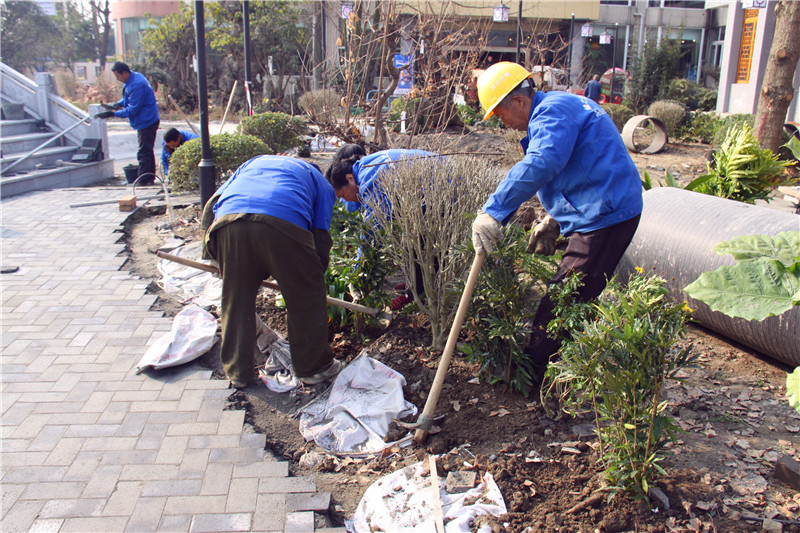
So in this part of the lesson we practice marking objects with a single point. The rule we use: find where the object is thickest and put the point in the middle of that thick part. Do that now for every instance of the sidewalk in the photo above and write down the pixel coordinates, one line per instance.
(87, 445)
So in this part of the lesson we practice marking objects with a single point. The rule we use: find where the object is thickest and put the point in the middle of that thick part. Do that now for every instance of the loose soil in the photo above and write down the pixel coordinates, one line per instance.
(720, 473)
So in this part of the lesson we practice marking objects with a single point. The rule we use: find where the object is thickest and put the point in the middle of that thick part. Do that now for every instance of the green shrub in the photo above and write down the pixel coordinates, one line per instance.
(620, 355)
(742, 170)
(620, 114)
(500, 312)
(726, 123)
(699, 126)
(281, 132)
(670, 113)
(396, 108)
(229, 151)
(323, 106)
(468, 115)
(691, 94)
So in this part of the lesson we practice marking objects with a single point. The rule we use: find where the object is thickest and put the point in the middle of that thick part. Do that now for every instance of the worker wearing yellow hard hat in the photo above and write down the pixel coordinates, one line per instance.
(577, 165)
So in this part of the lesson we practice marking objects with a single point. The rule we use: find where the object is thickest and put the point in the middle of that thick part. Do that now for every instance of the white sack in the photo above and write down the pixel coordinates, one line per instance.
(353, 415)
(189, 283)
(194, 332)
(277, 373)
(403, 501)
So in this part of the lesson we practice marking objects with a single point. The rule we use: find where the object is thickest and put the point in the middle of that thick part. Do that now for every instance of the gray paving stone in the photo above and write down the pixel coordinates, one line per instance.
(212, 523)
(274, 469)
(146, 515)
(123, 500)
(242, 496)
(175, 523)
(300, 522)
(51, 490)
(71, 508)
(217, 479)
(177, 487)
(21, 515)
(194, 504)
(286, 485)
(46, 526)
(270, 514)
(308, 502)
(82, 525)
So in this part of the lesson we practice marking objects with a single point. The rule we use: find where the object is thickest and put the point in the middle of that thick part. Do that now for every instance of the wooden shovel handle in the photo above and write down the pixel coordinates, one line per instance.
(426, 418)
(208, 268)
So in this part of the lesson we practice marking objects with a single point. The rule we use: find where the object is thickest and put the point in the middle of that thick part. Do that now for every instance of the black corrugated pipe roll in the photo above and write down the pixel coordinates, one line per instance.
(676, 237)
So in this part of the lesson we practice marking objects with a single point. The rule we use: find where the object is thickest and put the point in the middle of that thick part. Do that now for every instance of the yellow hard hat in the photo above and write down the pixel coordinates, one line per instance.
(496, 82)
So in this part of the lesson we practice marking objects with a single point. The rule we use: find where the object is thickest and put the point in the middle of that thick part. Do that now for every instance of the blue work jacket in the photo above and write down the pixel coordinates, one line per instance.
(368, 171)
(138, 102)
(576, 163)
(279, 186)
(166, 155)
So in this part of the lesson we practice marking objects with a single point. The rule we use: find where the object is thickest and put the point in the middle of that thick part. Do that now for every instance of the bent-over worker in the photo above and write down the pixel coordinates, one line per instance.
(173, 138)
(577, 165)
(356, 176)
(272, 218)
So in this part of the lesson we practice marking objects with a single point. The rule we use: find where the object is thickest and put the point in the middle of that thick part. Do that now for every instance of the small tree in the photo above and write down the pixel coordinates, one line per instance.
(424, 211)
(652, 72)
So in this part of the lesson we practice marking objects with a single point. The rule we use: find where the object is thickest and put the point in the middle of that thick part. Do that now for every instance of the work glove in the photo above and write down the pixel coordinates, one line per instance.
(355, 294)
(543, 237)
(105, 114)
(485, 232)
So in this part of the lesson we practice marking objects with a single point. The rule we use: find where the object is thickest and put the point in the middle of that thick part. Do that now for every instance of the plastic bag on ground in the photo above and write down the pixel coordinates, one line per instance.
(352, 417)
(194, 332)
(403, 501)
(188, 283)
(277, 373)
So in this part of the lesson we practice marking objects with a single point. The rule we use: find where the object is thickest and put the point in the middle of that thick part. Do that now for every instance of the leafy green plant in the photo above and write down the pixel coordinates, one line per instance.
(279, 131)
(228, 150)
(690, 94)
(619, 113)
(699, 126)
(617, 362)
(742, 170)
(793, 145)
(725, 124)
(671, 114)
(793, 389)
(764, 282)
(500, 312)
(652, 72)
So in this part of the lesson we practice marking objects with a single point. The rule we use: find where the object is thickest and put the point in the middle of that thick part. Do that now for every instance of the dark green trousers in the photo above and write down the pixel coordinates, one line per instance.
(251, 251)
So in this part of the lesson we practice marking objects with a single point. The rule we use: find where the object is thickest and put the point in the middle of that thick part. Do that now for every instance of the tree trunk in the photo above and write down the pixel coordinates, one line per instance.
(777, 90)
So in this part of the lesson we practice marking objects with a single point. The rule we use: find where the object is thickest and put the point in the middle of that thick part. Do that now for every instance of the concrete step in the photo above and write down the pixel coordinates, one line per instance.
(57, 178)
(18, 127)
(25, 142)
(47, 157)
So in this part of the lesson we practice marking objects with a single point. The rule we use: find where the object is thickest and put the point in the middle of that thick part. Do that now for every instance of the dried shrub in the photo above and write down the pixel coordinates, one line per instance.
(513, 150)
(67, 85)
(620, 114)
(323, 106)
(670, 113)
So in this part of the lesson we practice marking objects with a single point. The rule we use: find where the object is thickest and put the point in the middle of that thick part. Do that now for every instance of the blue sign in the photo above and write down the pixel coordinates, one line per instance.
(405, 64)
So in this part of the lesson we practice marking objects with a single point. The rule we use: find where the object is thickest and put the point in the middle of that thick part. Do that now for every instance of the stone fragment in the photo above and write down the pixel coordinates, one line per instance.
(459, 481)
(788, 471)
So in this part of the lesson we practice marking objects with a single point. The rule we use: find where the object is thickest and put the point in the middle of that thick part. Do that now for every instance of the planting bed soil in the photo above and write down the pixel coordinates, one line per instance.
(719, 475)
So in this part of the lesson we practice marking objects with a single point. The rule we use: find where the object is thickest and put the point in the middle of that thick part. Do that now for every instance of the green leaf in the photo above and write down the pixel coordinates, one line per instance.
(783, 247)
(697, 182)
(753, 290)
(793, 389)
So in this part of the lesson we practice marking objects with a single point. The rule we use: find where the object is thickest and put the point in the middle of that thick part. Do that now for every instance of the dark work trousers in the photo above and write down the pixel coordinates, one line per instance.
(145, 155)
(249, 252)
(595, 254)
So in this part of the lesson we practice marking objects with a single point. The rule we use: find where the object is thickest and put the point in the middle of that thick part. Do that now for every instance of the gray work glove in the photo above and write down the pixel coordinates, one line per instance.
(543, 237)
(355, 294)
(486, 231)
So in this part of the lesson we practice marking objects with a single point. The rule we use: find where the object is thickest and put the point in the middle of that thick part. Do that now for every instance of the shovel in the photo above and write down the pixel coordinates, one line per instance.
(384, 318)
(425, 421)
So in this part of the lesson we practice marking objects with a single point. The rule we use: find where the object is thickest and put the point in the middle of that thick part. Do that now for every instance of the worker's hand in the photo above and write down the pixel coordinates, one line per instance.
(485, 232)
(215, 264)
(543, 237)
(105, 114)
(355, 294)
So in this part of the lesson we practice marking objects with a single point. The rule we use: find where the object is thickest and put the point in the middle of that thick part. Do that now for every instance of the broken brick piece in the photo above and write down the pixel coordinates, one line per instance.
(459, 482)
(788, 471)
(127, 203)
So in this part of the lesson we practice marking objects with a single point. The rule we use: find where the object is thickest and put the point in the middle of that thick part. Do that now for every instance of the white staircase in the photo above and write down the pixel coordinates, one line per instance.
(46, 142)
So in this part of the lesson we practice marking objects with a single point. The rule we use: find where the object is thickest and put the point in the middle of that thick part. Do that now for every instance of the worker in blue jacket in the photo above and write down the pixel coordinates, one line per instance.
(272, 218)
(138, 105)
(577, 165)
(173, 138)
(356, 176)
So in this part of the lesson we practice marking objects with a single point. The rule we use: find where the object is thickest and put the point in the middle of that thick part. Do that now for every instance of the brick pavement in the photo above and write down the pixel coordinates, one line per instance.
(87, 445)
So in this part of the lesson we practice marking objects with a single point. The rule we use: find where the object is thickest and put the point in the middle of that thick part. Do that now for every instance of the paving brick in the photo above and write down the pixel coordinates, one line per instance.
(236, 455)
(172, 450)
(71, 508)
(194, 464)
(263, 469)
(217, 479)
(148, 472)
(21, 515)
(214, 441)
(24, 458)
(64, 452)
(34, 474)
(82, 525)
(123, 500)
(270, 514)
(175, 523)
(146, 515)
(50, 490)
(94, 430)
(319, 502)
(177, 487)
(211, 523)
(299, 522)
(231, 423)
(194, 504)
(242, 496)
(47, 439)
(188, 428)
(253, 440)
(46, 526)
(98, 401)
(129, 457)
(8, 496)
(286, 485)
